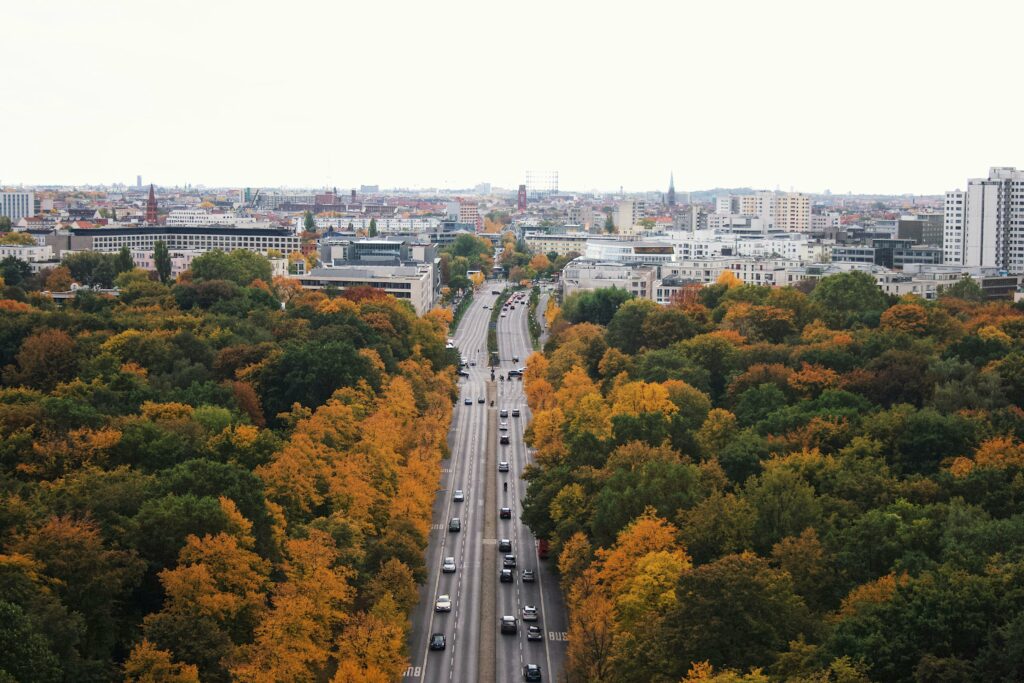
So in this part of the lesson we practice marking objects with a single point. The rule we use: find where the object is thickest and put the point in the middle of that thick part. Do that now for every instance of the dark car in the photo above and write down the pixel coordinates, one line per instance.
(503, 412)
(531, 672)
(504, 545)
(515, 412)
(509, 624)
(528, 576)
(463, 373)
(534, 633)
(437, 641)
(505, 440)
(505, 513)
(506, 576)
(455, 524)
(468, 401)
(480, 400)
(509, 561)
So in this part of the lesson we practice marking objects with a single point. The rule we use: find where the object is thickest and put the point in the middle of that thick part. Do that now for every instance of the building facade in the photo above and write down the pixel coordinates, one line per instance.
(17, 205)
(260, 240)
(984, 225)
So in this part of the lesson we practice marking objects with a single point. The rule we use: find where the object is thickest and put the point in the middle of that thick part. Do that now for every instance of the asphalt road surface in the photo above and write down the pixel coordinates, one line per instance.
(475, 649)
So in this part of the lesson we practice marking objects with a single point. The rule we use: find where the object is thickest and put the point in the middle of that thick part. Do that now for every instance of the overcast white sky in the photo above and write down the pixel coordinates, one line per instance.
(865, 96)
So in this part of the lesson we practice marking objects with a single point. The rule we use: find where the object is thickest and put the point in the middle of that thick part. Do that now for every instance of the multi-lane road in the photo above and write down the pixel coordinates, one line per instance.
(475, 650)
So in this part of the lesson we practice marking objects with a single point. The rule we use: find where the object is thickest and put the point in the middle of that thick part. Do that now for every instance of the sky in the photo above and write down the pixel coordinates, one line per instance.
(894, 97)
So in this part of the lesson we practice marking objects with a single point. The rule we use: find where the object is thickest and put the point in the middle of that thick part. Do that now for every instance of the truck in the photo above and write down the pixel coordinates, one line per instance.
(542, 548)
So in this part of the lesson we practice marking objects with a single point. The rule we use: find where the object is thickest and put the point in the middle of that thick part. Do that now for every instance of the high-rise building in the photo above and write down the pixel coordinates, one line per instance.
(793, 212)
(469, 212)
(628, 214)
(670, 199)
(521, 204)
(17, 205)
(138, 182)
(151, 207)
(984, 226)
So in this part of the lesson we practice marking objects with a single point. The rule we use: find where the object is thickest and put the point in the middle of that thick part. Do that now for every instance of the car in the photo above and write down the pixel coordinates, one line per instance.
(515, 412)
(506, 576)
(495, 291)
(504, 440)
(449, 565)
(515, 359)
(529, 613)
(437, 641)
(509, 561)
(505, 513)
(444, 604)
(455, 524)
(503, 426)
(458, 496)
(514, 373)
(473, 363)
(504, 545)
(486, 307)
(502, 315)
(512, 307)
(534, 633)
(531, 672)
(509, 624)
(480, 400)
(463, 373)
(528, 576)
(467, 401)
(503, 466)
(503, 412)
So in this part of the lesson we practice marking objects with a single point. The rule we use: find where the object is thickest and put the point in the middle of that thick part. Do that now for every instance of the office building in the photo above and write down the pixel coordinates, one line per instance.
(924, 229)
(628, 213)
(200, 239)
(984, 225)
(17, 205)
(409, 282)
(584, 275)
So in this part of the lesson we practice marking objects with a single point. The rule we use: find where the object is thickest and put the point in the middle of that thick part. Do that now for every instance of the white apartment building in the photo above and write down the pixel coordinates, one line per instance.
(564, 244)
(31, 253)
(984, 226)
(827, 220)
(17, 205)
(764, 272)
(584, 275)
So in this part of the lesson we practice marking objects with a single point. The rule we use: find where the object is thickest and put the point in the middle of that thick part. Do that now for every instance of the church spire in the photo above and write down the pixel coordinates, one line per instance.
(671, 198)
(151, 207)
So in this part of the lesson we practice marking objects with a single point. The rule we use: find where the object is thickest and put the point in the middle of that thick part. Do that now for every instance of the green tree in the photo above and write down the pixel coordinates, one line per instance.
(308, 224)
(737, 611)
(162, 261)
(625, 325)
(609, 224)
(240, 266)
(5, 223)
(849, 298)
(123, 263)
(966, 289)
(25, 654)
(372, 232)
(14, 271)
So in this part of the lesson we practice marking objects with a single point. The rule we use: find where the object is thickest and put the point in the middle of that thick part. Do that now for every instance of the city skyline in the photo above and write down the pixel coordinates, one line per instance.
(236, 94)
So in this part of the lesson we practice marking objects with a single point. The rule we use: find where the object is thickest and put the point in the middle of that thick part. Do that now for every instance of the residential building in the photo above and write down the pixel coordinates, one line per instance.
(793, 212)
(628, 213)
(31, 253)
(924, 228)
(984, 226)
(202, 217)
(629, 251)
(17, 205)
(583, 274)
(564, 244)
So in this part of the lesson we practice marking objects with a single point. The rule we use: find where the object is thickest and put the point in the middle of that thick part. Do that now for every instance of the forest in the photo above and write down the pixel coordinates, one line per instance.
(776, 484)
(220, 478)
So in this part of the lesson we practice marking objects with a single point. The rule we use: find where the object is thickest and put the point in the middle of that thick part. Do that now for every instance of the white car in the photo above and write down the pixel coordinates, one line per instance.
(529, 612)
(449, 565)
(503, 426)
(444, 604)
